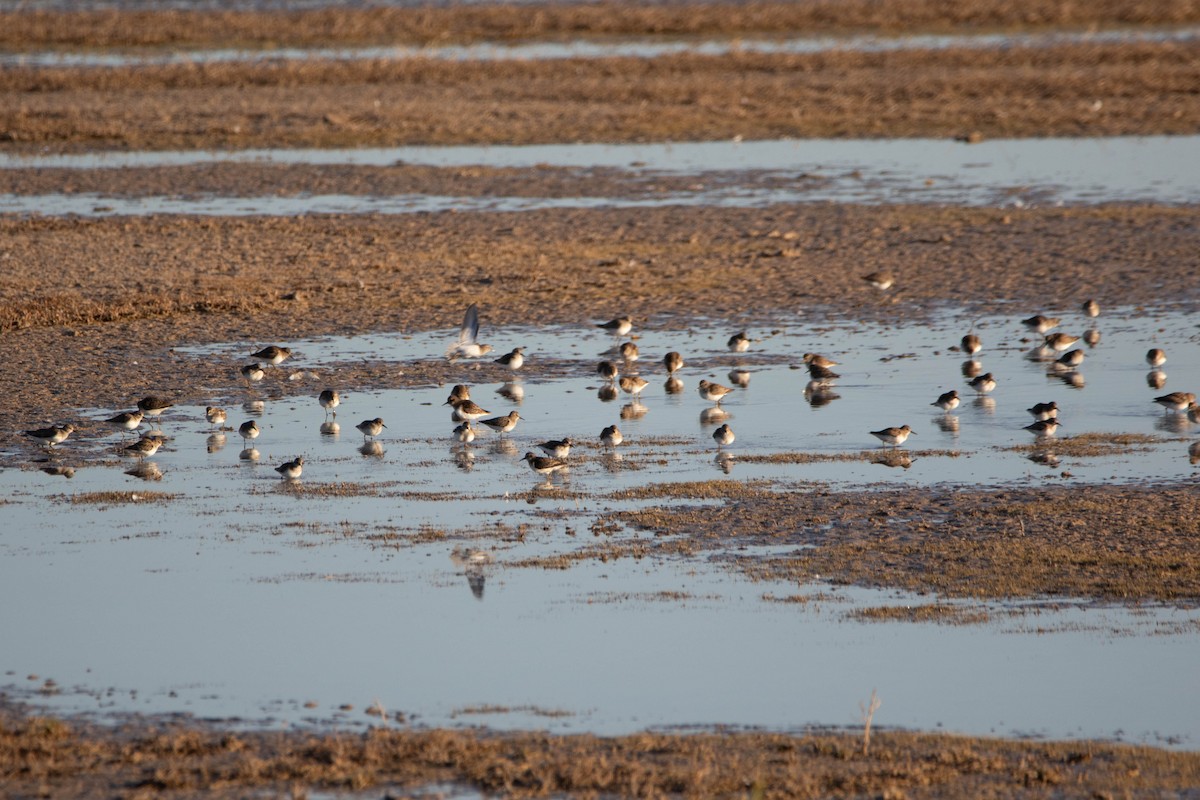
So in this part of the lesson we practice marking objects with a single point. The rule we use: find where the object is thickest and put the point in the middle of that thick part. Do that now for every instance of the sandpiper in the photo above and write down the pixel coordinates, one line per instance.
(971, 344)
(1060, 341)
(248, 430)
(1044, 427)
(893, 436)
(1044, 411)
(273, 355)
(1176, 401)
(1039, 323)
(145, 447)
(629, 352)
(816, 359)
(633, 385)
(215, 416)
(460, 392)
(329, 400)
(673, 362)
(544, 465)
(52, 435)
(983, 383)
(465, 432)
(466, 410)
(880, 280)
(1091, 308)
(557, 448)
(947, 401)
(739, 342)
(619, 326)
(723, 436)
(713, 392)
(607, 370)
(1091, 337)
(1155, 357)
(610, 437)
(513, 359)
(290, 470)
(252, 372)
(153, 406)
(1072, 358)
(370, 428)
(126, 420)
(503, 424)
(468, 345)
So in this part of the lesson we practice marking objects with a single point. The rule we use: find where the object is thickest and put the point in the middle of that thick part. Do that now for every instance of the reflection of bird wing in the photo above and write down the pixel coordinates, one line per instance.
(476, 578)
(470, 326)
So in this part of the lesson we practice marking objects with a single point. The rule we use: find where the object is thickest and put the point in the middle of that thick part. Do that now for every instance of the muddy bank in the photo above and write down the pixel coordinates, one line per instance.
(1069, 90)
(53, 758)
(28, 29)
(105, 301)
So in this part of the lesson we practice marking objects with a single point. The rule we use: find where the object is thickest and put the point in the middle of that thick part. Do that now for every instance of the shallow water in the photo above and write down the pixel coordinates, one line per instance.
(243, 598)
(1017, 172)
(630, 48)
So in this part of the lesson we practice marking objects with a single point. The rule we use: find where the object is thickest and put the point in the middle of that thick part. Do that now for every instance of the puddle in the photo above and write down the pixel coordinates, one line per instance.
(242, 594)
(1159, 169)
(629, 48)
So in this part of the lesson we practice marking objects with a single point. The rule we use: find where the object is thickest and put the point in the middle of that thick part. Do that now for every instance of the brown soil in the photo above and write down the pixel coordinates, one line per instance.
(49, 758)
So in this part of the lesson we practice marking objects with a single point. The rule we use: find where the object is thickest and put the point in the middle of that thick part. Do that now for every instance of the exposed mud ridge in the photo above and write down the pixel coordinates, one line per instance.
(1105, 543)
(28, 29)
(43, 757)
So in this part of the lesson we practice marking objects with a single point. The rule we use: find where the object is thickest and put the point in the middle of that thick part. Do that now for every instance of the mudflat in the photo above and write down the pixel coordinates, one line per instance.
(91, 311)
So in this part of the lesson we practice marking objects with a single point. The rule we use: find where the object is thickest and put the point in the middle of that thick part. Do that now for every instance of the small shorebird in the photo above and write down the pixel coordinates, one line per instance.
(514, 359)
(329, 400)
(1091, 308)
(1176, 401)
(947, 401)
(468, 345)
(290, 470)
(215, 416)
(739, 342)
(126, 420)
(629, 352)
(893, 436)
(1156, 357)
(713, 392)
(1060, 341)
(983, 383)
(1091, 337)
(633, 385)
(1044, 427)
(465, 432)
(465, 410)
(1039, 323)
(610, 437)
(153, 406)
(971, 344)
(1044, 411)
(816, 359)
(619, 326)
(1072, 358)
(880, 280)
(273, 355)
(370, 428)
(503, 424)
(248, 430)
(607, 370)
(52, 435)
(723, 436)
(544, 465)
(145, 447)
(673, 362)
(557, 448)
(252, 373)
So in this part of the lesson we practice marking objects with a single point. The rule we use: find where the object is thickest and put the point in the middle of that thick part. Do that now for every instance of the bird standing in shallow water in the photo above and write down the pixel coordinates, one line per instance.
(619, 326)
(273, 355)
(52, 435)
(514, 360)
(215, 416)
(723, 436)
(290, 470)
(610, 437)
(370, 428)
(971, 344)
(893, 436)
(713, 392)
(329, 400)
(544, 465)
(503, 424)
(673, 362)
(248, 430)
(739, 342)
(947, 401)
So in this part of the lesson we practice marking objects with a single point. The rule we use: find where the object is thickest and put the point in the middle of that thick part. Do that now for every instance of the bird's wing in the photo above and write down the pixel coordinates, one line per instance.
(470, 326)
